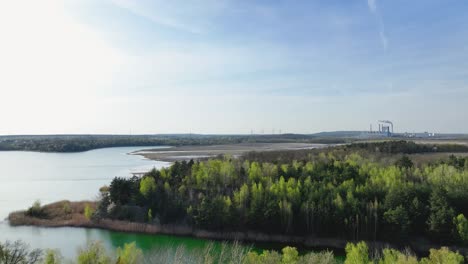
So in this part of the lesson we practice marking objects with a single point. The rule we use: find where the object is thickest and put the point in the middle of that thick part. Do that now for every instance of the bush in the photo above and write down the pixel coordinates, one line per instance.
(130, 254)
(290, 255)
(66, 208)
(53, 257)
(324, 257)
(93, 253)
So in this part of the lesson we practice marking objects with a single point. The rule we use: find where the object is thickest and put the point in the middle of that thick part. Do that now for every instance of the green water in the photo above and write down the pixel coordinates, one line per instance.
(69, 239)
(149, 242)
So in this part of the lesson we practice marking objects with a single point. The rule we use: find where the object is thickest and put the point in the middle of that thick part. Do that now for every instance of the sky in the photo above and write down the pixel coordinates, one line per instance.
(232, 66)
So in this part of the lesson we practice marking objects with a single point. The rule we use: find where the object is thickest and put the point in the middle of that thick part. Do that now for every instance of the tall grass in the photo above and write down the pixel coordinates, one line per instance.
(232, 253)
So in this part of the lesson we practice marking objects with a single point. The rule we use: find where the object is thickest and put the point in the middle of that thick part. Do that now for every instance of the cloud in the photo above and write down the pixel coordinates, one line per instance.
(188, 16)
(383, 39)
(51, 65)
(372, 4)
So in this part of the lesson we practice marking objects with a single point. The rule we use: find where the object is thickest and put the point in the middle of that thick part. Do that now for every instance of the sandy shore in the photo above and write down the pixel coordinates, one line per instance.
(198, 152)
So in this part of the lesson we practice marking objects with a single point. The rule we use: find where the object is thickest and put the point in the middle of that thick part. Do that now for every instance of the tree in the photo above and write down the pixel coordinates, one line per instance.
(88, 212)
(36, 210)
(441, 214)
(130, 254)
(286, 214)
(18, 253)
(290, 255)
(399, 218)
(392, 256)
(462, 227)
(357, 253)
(121, 190)
(93, 253)
(404, 162)
(267, 257)
(443, 256)
(150, 215)
(147, 186)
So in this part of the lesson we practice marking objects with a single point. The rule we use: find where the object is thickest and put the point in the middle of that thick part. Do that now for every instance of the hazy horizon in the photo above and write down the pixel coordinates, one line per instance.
(232, 67)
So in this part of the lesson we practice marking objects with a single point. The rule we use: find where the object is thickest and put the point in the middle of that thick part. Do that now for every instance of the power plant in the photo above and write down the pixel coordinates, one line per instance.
(385, 129)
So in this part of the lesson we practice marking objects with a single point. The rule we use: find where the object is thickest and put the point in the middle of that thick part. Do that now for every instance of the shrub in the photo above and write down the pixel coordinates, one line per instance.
(324, 257)
(130, 254)
(66, 208)
(290, 255)
(53, 257)
(93, 253)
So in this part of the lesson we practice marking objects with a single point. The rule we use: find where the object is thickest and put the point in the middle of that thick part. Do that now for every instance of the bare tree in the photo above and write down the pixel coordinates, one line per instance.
(18, 253)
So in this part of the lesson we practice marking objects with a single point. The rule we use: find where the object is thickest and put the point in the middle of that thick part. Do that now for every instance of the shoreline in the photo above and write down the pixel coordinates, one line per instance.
(77, 219)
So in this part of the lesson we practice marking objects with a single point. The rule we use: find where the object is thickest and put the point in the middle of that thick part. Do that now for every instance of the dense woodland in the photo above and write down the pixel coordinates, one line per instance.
(76, 143)
(341, 192)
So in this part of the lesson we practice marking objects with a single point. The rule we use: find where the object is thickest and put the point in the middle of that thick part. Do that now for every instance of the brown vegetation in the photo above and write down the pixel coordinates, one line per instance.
(63, 213)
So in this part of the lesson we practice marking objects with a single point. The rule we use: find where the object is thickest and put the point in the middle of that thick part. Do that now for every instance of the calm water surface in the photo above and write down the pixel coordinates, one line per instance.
(29, 176)
(49, 177)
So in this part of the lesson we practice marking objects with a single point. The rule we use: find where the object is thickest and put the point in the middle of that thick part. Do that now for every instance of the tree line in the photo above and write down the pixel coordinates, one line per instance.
(77, 143)
(406, 147)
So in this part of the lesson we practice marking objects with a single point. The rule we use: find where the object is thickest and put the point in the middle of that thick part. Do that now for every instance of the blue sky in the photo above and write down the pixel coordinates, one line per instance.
(233, 66)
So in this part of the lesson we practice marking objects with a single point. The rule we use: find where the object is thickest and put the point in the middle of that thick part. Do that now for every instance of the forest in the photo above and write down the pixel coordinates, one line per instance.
(77, 143)
(345, 192)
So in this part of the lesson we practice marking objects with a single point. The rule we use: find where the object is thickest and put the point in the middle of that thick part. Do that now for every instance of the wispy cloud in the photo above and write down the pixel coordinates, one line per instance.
(189, 16)
(373, 9)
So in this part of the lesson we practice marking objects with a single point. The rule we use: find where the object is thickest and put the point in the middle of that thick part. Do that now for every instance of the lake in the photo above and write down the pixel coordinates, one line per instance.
(29, 176)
